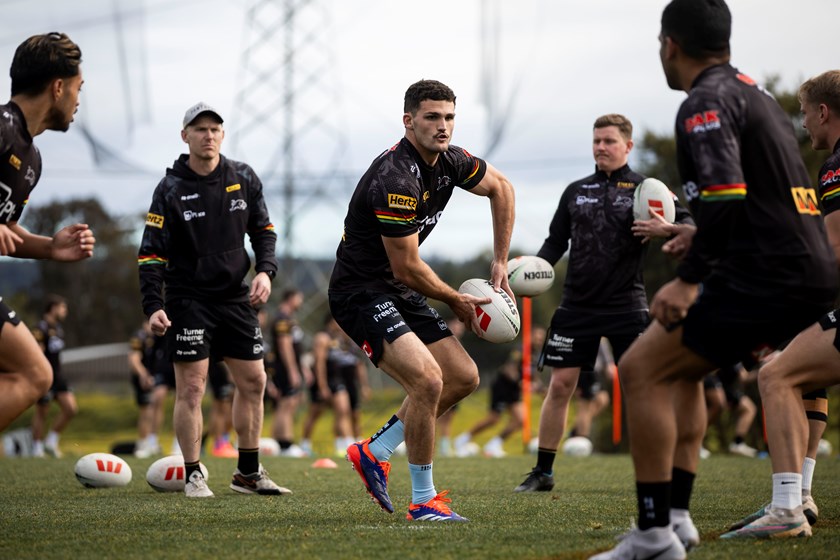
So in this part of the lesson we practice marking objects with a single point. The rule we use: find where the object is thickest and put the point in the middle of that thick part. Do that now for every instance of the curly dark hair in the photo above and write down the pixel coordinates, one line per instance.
(426, 89)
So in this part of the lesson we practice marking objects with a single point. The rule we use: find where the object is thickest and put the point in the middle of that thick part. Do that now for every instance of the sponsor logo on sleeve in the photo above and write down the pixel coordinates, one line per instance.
(154, 220)
(232, 188)
(14, 161)
(402, 202)
(702, 122)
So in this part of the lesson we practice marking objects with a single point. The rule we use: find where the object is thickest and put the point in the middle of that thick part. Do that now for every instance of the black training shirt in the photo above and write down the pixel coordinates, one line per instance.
(20, 163)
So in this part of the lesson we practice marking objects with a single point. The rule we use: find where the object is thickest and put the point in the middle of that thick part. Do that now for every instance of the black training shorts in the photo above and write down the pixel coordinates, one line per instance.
(369, 318)
(574, 336)
(230, 329)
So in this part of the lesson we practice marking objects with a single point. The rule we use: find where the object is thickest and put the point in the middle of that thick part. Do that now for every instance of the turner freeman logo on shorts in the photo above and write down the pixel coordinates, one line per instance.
(560, 343)
(193, 337)
(402, 202)
(154, 220)
(386, 309)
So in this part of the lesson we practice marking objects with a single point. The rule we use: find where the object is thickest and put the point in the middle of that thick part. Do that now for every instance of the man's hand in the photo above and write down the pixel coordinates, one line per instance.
(670, 304)
(159, 322)
(72, 243)
(260, 289)
(681, 242)
(499, 277)
(656, 226)
(464, 309)
(8, 240)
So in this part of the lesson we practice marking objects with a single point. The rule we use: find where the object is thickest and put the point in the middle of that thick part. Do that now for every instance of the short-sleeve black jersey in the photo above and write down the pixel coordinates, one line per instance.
(830, 182)
(399, 195)
(194, 240)
(20, 163)
(144, 342)
(595, 216)
(759, 228)
(286, 325)
(51, 339)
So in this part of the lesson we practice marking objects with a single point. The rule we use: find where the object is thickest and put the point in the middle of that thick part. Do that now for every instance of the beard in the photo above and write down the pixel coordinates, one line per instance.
(57, 120)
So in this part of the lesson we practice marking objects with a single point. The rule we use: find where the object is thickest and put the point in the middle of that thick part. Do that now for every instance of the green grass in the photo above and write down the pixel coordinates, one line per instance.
(46, 513)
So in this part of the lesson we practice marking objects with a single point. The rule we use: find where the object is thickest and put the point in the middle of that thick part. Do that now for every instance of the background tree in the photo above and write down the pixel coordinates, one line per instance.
(102, 292)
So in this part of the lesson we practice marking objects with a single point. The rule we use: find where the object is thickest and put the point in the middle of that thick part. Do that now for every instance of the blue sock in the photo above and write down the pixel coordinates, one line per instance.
(422, 483)
(389, 436)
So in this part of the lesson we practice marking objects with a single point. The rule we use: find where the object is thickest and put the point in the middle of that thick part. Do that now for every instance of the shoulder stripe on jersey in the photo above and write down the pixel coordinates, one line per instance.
(151, 259)
(831, 193)
(474, 171)
(716, 193)
(393, 218)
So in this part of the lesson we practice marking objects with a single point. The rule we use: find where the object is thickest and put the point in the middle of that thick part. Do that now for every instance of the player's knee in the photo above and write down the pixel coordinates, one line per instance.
(40, 378)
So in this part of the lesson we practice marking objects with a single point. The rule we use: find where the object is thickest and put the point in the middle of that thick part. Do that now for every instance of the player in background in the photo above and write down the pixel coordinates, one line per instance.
(49, 332)
(379, 287)
(604, 293)
(591, 398)
(444, 421)
(330, 360)
(194, 246)
(810, 363)
(289, 378)
(759, 250)
(505, 395)
(46, 81)
(724, 390)
(221, 409)
(141, 358)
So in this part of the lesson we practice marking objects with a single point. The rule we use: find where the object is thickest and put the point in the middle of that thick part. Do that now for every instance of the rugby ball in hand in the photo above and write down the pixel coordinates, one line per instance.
(499, 319)
(102, 470)
(654, 194)
(529, 275)
(167, 474)
(578, 446)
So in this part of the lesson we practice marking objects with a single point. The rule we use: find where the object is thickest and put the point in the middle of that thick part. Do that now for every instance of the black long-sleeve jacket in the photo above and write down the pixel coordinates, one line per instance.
(194, 239)
(595, 216)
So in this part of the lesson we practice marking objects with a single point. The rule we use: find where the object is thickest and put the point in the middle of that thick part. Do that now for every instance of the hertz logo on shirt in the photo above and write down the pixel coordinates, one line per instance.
(154, 220)
(402, 202)
(14, 161)
(232, 188)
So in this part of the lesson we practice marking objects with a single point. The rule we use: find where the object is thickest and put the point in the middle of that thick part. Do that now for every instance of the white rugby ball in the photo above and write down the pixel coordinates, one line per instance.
(167, 474)
(102, 470)
(530, 275)
(499, 319)
(269, 447)
(577, 446)
(654, 194)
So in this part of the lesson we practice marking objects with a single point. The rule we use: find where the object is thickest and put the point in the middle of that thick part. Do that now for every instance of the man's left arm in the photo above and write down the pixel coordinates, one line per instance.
(263, 242)
(495, 186)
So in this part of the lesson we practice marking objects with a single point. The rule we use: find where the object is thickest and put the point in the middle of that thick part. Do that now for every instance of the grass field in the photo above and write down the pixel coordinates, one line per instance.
(46, 513)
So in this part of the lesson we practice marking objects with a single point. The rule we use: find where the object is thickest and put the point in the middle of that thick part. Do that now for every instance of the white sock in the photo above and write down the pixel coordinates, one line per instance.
(656, 535)
(787, 490)
(38, 447)
(679, 515)
(807, 475)
(52, 439)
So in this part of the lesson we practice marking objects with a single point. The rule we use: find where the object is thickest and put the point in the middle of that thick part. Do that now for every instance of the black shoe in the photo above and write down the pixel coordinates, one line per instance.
(537, 481)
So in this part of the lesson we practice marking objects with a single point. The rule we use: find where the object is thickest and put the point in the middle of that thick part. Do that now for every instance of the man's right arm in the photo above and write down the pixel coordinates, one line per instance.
(152, 257)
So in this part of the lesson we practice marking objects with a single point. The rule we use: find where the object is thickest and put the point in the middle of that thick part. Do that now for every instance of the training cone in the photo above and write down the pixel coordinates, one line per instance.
(325, 463)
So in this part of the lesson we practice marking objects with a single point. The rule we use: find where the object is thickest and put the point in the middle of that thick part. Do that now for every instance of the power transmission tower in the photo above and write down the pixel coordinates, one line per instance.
(284, 111)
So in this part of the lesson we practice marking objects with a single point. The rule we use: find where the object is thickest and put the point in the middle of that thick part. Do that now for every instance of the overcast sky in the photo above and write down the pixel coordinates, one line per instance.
(560, 64)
